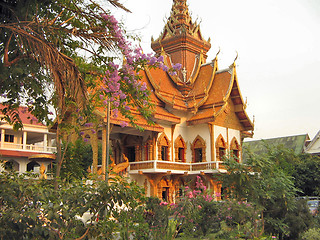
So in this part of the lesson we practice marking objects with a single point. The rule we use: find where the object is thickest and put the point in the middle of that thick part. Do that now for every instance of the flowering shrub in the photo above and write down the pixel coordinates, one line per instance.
(121, 85)
(196, 211)
(239, 219)
(33, 209)
(197, 214)
(157, 216)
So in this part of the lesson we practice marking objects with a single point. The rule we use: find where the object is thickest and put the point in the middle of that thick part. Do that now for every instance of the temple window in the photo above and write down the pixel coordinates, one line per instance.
(198, 148)
(181, 154)
(235, 149)
(221, 148)
(180, 149)
(198, 154)
(164, 152)
(163, 147)
(222, 153)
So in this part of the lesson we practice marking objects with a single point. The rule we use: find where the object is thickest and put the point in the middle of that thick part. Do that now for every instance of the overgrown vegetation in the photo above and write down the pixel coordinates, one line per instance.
(259, 203)
(33, 209)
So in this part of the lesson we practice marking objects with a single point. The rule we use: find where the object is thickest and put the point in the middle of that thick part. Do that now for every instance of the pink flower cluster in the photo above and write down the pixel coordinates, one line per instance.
(121, 85)
(120, 80)
(200, 191)
(163, 203)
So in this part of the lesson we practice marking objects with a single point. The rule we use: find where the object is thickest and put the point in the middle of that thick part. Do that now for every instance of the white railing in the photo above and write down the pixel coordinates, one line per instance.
(27, 147)
(157, 165)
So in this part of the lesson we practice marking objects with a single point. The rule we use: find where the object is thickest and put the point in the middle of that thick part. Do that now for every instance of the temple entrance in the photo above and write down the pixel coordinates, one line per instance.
(132, 146)
(165, 194)
(130, 153)
(165, 189)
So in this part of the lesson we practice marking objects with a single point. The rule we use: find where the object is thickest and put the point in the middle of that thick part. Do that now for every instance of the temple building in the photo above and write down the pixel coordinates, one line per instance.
(200, 116)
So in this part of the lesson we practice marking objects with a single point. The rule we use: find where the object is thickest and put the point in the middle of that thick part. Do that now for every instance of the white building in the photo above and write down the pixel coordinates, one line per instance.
(26, 149)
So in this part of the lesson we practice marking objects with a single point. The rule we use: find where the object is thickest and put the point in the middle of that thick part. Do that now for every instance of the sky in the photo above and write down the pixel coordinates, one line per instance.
(278, 42)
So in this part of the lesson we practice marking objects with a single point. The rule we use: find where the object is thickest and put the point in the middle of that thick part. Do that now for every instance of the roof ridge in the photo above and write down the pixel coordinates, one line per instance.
(223, 70)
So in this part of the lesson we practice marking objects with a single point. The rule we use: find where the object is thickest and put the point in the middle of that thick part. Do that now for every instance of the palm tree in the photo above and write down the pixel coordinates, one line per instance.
(42, 43)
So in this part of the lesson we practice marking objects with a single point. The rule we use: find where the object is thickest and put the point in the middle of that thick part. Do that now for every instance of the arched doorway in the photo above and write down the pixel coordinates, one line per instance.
(165, 189)
(11, 165)
(33, 167)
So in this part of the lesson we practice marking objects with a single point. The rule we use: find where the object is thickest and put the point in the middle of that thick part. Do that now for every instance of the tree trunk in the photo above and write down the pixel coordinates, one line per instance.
(59, 156)
(95, 153)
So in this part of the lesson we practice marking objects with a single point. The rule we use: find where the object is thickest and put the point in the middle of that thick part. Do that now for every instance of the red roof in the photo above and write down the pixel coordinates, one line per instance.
(25, 116)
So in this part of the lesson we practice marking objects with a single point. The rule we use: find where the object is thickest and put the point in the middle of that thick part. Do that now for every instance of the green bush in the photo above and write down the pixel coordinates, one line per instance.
(311, 234)
(33, 209)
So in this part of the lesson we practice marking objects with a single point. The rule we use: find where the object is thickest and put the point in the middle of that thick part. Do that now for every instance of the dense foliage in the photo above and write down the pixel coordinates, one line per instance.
(57, 53)
(272, 181)
(307, 175)
(33, 209)
(77, 160)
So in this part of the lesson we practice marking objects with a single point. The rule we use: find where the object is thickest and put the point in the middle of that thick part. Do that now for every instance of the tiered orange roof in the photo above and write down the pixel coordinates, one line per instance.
(199, 87)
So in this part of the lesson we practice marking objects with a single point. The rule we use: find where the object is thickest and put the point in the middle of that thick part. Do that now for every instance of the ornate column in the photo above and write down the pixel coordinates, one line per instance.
(172, 142)
(150, 153)
(212, 144)
(137, 153)
(176, 153)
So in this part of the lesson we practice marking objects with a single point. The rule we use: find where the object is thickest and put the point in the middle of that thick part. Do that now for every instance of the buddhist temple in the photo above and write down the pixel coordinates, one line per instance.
(200, 116)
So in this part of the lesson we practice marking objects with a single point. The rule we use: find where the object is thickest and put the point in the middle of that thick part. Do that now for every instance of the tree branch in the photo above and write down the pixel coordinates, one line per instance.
(6, 54)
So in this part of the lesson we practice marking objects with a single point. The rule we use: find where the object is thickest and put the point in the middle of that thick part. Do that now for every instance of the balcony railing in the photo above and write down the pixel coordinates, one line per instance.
(28, 147)
(156, 166)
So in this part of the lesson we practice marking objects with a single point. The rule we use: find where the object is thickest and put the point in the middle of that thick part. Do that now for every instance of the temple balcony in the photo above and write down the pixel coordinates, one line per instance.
(158, 166)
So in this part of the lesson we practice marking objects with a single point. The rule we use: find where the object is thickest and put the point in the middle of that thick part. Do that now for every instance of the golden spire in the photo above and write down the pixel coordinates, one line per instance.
(180, 17)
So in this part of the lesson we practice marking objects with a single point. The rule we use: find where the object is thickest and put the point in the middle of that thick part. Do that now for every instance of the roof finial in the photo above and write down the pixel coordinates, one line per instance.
(236, 57)
(234, 61)
(218, 53)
